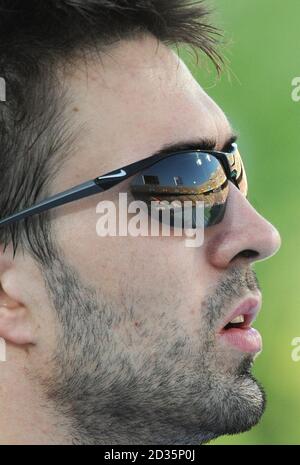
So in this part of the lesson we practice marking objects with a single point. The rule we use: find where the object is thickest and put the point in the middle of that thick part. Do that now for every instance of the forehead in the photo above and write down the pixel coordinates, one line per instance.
(139, 97)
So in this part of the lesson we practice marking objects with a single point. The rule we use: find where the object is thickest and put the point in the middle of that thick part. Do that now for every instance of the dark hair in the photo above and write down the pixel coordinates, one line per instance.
(37, 39)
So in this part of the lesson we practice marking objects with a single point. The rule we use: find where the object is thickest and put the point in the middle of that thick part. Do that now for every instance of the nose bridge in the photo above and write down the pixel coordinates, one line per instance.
(242, 230)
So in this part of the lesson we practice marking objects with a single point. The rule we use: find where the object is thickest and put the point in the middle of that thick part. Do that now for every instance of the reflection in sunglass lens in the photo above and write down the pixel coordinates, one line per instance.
(237, 168)
(192, 176)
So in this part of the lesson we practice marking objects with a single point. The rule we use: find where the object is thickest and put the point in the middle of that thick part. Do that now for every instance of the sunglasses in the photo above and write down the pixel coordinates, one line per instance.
(187, 175)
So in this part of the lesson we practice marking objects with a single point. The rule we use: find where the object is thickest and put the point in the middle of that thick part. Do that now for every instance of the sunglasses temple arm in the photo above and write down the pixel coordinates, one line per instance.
(79, 192)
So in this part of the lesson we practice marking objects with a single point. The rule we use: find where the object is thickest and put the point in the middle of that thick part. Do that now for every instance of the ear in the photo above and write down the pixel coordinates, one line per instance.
(15, 321)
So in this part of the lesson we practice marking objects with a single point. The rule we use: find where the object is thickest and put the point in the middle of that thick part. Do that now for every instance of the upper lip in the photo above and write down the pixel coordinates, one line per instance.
(249, 307)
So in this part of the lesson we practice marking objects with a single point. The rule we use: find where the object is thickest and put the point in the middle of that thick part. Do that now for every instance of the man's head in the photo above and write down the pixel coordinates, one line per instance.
(119, 339)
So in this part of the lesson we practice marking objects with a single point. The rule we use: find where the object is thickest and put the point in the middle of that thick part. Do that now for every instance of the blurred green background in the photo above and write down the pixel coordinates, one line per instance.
(263, 53)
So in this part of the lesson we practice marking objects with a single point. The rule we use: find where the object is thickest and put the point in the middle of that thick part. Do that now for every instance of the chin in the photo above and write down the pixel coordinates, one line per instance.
(239, 404)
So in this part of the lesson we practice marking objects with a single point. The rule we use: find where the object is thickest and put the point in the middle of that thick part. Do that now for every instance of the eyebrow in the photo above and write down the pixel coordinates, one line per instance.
(197, 144)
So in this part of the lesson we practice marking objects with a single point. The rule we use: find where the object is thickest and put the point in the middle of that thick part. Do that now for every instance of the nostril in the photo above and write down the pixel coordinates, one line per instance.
(247, 253)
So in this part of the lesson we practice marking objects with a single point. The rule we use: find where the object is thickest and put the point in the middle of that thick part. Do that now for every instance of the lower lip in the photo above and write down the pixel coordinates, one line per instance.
(244, 339)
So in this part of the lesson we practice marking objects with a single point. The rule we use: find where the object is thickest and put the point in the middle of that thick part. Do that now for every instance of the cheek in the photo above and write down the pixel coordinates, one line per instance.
(154, 274)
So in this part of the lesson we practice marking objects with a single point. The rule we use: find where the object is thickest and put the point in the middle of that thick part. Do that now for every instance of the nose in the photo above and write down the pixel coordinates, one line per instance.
(242, 236)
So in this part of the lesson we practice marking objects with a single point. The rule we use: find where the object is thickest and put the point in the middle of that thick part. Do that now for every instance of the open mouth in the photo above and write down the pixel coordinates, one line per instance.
(237, 332)
(240, 321)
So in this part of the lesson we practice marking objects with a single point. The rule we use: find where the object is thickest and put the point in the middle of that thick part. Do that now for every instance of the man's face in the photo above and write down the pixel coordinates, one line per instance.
(133, 349)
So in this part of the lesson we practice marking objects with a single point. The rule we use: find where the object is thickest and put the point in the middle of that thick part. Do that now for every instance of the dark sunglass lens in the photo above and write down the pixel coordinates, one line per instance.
(242, 177)
(237, 168)
(188, 176)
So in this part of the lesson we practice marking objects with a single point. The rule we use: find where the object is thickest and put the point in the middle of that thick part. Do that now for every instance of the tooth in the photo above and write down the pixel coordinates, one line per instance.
(238, 319)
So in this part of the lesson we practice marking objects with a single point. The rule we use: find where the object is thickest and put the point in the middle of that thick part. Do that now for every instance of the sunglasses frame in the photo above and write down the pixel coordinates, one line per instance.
(112, 179)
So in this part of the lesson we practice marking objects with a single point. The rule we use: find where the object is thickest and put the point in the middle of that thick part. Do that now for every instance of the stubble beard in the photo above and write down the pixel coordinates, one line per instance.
(171, 391)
